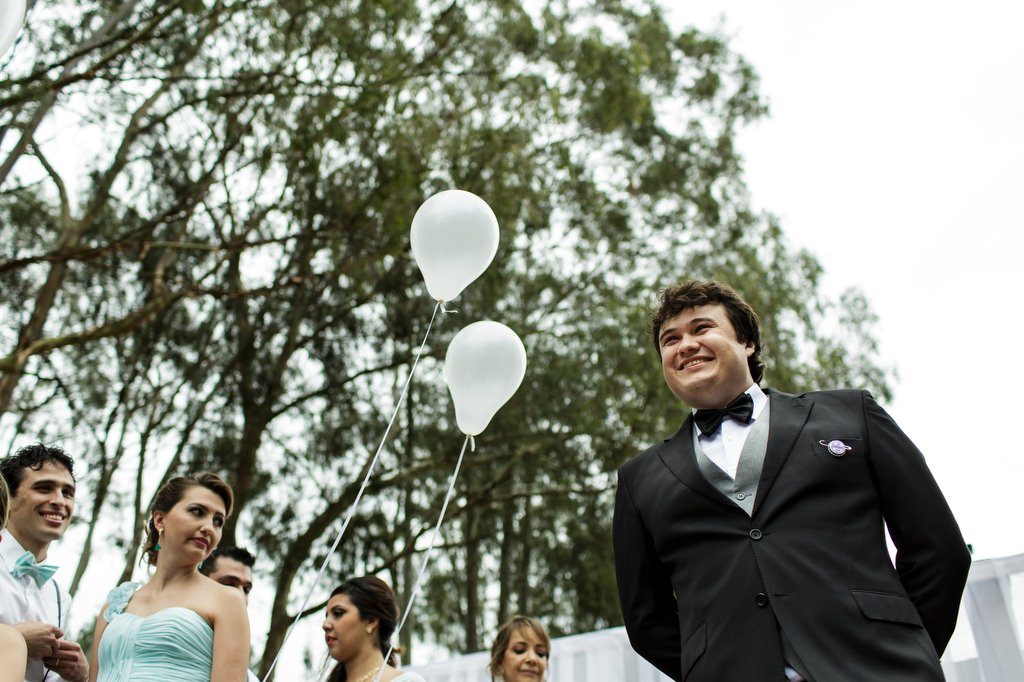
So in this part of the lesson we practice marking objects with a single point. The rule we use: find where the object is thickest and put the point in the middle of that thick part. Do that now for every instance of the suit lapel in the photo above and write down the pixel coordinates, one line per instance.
(788, 416)
(677, 454)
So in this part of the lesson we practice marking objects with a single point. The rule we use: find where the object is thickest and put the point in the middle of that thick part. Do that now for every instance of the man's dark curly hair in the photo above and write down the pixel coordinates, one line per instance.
(239, 554)
(33, 457)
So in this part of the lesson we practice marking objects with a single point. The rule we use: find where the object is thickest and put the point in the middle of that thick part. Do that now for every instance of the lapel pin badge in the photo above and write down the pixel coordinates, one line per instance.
(836, 448)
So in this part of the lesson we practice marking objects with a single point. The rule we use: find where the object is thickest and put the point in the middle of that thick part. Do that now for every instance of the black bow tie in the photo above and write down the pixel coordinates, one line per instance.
(741, 409)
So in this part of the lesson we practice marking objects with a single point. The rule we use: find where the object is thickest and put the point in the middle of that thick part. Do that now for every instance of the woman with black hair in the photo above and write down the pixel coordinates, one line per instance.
(362, 614)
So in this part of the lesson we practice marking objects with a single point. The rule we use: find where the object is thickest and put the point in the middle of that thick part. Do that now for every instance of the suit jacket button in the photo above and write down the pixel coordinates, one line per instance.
(761, 599)
(755, 534)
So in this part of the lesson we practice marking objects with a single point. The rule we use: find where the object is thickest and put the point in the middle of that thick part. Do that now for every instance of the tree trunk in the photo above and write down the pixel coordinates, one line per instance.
(72, 230)
(408, 569)
(525, 543)
(506, 560)
(280, 619)
(99, 498)
(260, 398)
(34, 329)
(471, 525)
(139, 514)
(107, 469)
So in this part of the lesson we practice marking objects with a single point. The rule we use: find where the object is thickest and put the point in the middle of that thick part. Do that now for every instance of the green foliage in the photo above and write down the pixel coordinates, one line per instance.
(259, 165)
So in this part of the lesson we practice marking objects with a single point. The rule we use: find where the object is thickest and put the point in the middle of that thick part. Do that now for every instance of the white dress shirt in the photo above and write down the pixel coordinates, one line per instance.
(725, 445)
(21, 600)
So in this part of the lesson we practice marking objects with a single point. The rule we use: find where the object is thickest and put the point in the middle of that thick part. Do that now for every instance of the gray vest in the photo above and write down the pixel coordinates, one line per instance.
(743, 488)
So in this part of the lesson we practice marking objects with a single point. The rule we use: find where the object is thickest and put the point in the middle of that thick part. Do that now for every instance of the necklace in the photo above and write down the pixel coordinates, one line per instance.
(368, 676)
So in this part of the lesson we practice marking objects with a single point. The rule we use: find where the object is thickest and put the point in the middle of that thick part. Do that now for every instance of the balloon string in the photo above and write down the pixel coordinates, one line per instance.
(446, 311)
(359, 496)
(422, 574)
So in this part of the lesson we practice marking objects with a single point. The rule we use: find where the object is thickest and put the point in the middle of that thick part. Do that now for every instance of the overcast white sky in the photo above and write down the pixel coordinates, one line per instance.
(894, 151)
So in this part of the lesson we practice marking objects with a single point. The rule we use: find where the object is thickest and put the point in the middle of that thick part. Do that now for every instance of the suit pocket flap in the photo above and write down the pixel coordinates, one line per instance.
(693, 649)
(887, 606)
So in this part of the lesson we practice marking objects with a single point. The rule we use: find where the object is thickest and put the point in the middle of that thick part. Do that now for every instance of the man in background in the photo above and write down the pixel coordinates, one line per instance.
(231, 566)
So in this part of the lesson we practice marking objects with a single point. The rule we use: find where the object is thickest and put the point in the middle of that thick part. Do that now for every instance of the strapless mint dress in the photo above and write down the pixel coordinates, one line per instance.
(172, 645)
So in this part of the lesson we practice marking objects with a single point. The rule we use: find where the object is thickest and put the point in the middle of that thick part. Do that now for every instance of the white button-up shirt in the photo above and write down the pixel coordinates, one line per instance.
(21, 601)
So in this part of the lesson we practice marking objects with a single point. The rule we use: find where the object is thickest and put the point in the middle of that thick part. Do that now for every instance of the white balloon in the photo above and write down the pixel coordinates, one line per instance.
(485, 364)
(454, 238)
(12, 15)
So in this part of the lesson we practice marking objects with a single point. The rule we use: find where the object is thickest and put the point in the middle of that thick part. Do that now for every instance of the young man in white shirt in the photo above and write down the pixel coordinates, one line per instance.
(42, 489)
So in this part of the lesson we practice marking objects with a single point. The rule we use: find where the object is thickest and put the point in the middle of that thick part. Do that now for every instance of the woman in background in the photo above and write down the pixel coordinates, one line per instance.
(362, 614)
(180, 626)
(520, 651)
(13, 650)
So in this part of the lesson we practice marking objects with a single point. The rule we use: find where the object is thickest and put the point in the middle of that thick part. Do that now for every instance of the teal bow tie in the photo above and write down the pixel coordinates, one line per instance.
(26, 565)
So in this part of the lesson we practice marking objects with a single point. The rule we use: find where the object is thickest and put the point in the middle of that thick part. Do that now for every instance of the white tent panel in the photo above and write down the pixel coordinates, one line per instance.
(592, 656)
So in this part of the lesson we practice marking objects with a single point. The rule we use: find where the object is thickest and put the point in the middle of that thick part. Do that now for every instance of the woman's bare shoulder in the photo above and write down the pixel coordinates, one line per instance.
(211, 599)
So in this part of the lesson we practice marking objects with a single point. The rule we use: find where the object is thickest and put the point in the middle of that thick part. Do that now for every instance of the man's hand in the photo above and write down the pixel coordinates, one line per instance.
(41, 638)
(68, 661)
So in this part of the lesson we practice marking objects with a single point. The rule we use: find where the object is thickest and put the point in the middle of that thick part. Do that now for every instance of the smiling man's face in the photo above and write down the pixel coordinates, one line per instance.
(704, 364)
(42, 506)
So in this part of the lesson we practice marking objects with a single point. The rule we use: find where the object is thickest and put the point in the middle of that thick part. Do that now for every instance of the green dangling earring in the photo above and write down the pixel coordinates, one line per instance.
(159, 534)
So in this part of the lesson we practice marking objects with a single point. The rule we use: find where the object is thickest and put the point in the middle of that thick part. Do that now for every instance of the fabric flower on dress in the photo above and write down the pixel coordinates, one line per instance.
(118, 599)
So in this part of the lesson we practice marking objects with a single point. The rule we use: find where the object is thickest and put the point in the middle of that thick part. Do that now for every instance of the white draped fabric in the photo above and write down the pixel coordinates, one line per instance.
(988, 645)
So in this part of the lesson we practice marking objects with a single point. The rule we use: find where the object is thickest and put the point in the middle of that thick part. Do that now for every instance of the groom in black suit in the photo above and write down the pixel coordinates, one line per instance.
(750, 546)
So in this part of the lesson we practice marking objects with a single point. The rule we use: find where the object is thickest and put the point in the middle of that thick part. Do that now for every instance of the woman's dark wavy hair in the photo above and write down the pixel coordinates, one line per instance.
(171, 493)
(375, 600)
(693, 293)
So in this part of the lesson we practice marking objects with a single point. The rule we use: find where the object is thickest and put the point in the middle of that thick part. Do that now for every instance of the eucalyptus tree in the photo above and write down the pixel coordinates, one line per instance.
(206, 266)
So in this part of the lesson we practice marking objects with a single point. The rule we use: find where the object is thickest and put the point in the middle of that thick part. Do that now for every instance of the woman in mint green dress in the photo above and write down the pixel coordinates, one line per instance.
(180, 626)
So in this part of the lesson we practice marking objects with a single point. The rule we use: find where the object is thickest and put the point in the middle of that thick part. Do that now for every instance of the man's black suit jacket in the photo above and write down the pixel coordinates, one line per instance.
(704, 588)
